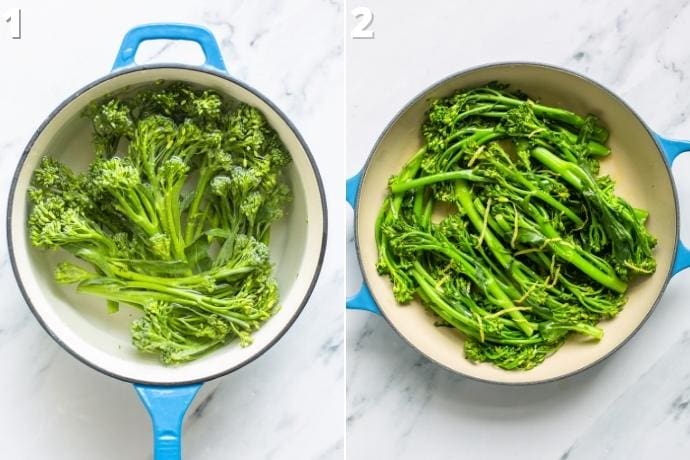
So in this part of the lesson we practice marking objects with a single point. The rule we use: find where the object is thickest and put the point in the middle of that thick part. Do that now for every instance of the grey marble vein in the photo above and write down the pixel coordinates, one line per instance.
(651, 414)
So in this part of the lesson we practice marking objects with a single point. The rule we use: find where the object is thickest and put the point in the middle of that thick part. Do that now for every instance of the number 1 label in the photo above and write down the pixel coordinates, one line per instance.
(13, 17)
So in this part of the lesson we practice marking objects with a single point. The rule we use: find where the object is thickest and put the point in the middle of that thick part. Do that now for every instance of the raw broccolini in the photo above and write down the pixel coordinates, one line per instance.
(173, 216)
(503, 229)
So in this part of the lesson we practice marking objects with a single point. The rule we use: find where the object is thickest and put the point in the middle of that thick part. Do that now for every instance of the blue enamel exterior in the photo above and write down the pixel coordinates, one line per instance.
(198, 34)
(671, 149)
(363, 300)
(167, 406)
(352, 188)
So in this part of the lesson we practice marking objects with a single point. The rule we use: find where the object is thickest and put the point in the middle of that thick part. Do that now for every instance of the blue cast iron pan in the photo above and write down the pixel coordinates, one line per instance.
(80, 324)
(640, 164)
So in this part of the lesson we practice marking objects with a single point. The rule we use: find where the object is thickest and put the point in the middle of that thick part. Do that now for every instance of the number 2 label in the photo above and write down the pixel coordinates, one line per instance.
(365, 17)
(13, 17)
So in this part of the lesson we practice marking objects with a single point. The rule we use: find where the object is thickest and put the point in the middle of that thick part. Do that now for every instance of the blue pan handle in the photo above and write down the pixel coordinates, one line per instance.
(672, 149)
(363, 300)
(167, 406)
(169, 31)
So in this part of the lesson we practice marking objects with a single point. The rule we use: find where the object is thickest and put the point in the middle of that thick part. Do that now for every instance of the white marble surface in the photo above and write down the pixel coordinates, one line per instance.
(635, 404)
(289, 403)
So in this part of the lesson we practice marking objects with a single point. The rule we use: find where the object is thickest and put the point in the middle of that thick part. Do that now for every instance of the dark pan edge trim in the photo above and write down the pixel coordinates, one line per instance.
(273, 107)
(422, 95)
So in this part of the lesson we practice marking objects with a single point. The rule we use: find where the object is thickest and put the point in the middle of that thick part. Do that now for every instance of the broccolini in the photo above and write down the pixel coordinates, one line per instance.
(502, 227)
(173, 216)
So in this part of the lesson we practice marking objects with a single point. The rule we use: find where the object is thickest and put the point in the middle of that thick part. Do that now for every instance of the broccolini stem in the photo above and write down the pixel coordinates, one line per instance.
(141, 297)
(193, 213)
(464, 198)
(512, 172)
(192, 281)
(467, 305)
(428, 210)
(453, 153)
(593, 147)
(485, 280)
(553, 113)
(409, 171)
(452, 316)
(567, 170)
(174, 218)
(418, 206)
(135, 210)
(183, 293)
(568, 252)
(466, 174)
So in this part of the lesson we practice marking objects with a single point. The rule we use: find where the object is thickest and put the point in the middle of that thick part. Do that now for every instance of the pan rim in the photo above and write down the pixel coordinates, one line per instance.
(499, 64)
(184, 67)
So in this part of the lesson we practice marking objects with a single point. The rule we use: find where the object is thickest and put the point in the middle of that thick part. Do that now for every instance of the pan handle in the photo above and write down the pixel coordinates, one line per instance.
(671, 149)
(363, 300)
(169, 31)
(167, 406)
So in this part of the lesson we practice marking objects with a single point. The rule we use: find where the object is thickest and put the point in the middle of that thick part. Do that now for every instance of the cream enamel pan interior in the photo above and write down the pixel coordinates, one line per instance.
(80, 323)
(636, 164)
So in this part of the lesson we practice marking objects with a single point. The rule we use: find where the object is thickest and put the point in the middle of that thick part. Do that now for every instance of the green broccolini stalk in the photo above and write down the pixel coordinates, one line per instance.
(528, 245)
(172, 217)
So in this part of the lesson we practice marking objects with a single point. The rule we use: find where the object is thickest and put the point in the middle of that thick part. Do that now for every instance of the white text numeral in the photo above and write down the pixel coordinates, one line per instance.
(13, 17)
(365, 17)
